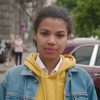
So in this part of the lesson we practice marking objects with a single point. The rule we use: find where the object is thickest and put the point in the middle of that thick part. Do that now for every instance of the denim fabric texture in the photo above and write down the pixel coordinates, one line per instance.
(20, 83)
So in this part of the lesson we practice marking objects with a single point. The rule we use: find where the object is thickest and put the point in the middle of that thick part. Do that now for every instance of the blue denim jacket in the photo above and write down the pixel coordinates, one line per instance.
(19, 83)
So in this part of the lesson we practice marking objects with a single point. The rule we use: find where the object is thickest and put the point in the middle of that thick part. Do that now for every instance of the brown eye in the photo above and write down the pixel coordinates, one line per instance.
(44, 33)
(60, 35)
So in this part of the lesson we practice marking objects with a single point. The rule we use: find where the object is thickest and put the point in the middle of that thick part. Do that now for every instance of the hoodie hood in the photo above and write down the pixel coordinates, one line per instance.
(55, 81)
(68, 61)
(32, 65)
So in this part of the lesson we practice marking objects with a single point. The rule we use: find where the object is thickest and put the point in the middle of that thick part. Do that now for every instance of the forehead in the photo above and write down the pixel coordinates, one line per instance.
(52, 22)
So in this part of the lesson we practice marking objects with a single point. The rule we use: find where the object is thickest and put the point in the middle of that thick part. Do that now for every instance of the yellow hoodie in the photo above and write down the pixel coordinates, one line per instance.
(51, 87)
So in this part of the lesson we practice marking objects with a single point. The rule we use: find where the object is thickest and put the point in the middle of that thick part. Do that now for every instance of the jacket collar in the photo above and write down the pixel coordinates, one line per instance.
(73, 69)
(27, 72)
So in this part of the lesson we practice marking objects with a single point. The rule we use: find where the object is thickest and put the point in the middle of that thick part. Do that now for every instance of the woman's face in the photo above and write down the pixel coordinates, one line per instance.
(51, 38)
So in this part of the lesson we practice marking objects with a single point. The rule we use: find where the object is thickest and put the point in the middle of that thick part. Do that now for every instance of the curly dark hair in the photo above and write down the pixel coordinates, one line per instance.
(53, 12)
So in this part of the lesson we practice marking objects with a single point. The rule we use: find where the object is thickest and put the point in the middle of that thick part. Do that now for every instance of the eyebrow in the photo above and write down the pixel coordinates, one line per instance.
(57, 32)
(44, 30)
(61, 32)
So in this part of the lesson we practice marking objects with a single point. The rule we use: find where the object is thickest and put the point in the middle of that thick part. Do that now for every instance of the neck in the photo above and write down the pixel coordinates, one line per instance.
(50, 64)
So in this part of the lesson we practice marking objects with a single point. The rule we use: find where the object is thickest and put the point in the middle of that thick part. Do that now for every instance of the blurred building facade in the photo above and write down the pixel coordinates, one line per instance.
(16, 15)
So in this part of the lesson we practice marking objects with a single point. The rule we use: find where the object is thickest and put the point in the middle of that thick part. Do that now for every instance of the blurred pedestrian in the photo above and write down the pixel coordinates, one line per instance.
(18, 49)
(11, 47)
(48, 75)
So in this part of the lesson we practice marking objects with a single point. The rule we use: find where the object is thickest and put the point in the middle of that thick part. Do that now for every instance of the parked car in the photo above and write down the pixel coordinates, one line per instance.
(87, 54)
(3, 50)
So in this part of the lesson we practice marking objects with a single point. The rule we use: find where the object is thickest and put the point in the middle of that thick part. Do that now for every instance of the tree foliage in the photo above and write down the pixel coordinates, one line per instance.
(70, 4)
(85, 14)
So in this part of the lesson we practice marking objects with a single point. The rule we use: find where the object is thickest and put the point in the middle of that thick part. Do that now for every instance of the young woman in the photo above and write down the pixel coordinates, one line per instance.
(48, 75)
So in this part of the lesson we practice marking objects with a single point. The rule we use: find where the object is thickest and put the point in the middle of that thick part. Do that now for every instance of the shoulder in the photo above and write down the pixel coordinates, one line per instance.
(13, 75)
(16, 69)
(81, 74)
(81, 82)
(79, 70)
(14, 72)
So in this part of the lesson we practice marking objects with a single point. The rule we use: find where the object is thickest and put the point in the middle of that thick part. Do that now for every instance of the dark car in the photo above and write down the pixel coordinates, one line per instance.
(87, 54)
(3, 50)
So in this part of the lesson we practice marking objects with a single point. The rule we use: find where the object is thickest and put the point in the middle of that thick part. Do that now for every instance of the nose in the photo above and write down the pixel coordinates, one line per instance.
(51, 40)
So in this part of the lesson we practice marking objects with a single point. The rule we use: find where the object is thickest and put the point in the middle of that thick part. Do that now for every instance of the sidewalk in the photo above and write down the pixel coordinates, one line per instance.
(5, 66)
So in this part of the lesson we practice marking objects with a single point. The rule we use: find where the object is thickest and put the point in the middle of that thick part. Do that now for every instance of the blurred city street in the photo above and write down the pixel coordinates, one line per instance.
(8, 64)
(20, 23)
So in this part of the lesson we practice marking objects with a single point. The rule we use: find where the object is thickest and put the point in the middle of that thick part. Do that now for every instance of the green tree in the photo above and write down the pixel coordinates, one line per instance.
(85, 14)
(70, 4)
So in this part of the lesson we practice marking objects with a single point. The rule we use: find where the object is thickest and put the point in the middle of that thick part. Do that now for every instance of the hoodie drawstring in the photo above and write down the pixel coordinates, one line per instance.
(57, 86)
(44, 88)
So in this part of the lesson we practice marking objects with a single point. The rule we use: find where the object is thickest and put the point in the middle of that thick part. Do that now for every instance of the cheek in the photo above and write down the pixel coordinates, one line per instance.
(63, 44)
(40, 43)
